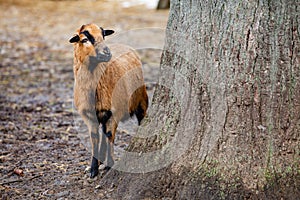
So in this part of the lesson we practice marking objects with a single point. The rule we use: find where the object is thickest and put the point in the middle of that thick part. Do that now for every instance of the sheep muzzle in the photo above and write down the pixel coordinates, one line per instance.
(102, 54)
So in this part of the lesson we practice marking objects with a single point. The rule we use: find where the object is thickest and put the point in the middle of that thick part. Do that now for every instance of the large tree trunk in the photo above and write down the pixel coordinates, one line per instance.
(225, 118)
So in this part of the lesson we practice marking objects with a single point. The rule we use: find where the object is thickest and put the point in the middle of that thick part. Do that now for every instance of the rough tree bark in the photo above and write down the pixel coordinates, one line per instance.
(226, 111)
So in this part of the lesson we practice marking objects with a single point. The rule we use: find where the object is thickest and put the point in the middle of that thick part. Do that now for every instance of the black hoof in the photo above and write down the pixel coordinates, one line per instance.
(108, 134)
(94, 168)
(106, 168)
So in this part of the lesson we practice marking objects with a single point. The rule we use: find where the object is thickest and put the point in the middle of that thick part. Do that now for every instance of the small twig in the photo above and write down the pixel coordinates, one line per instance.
(20, 180)
(21, 160)
(5, 153)
(12, 181)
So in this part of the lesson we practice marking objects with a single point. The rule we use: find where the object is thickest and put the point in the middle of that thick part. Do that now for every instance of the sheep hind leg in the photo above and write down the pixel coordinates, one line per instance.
(109, 126)
(110, 134)
(103, 116)
(140, 112)
(103, 146)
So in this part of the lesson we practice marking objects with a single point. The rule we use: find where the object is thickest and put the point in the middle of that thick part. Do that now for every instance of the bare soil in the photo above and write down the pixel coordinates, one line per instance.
(44, 148)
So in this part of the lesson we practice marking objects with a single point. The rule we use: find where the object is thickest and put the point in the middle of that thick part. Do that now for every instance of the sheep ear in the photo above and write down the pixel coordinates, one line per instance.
(107, 32)
(75, 38)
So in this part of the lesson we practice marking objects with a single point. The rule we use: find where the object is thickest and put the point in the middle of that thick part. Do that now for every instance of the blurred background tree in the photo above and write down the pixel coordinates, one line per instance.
(163, 4)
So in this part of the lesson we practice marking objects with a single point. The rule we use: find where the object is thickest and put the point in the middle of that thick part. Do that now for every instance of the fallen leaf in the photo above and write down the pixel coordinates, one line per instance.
(19, 172)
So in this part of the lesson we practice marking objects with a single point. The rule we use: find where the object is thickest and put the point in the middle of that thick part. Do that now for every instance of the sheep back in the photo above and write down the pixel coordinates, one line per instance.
(121, 88)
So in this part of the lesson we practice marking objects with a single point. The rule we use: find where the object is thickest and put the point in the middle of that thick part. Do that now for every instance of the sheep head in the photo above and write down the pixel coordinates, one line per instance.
(89, 43)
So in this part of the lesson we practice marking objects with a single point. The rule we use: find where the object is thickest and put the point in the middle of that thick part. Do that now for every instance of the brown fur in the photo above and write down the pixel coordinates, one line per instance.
(115, 86)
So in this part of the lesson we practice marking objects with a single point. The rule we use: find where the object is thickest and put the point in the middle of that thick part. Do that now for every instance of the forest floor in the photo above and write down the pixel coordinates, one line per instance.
(44, 146)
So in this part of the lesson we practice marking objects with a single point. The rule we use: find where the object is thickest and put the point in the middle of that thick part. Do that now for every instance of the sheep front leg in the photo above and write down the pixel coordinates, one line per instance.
(92, 123)
(94, 136)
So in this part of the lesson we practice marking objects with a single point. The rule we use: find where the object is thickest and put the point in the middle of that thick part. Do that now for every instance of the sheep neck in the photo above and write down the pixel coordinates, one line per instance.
(86, 81)
(88, 72)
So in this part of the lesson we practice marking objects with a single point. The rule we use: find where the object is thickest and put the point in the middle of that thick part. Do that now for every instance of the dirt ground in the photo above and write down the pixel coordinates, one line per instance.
(43, 143)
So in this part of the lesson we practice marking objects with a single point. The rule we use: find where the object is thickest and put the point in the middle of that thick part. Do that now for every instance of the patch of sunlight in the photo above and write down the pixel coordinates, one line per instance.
(151, 4)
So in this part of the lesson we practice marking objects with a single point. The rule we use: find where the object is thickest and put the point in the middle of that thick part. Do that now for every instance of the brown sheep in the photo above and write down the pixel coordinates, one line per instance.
(108, 84)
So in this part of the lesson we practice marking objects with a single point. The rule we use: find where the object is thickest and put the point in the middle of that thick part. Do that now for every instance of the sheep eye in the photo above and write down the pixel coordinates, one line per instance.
(84, 40)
